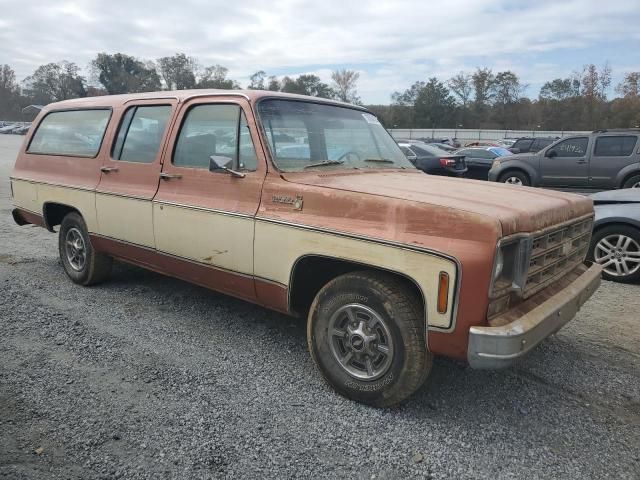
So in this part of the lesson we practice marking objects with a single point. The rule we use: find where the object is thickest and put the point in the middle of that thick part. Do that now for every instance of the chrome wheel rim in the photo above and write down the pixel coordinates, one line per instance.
(75, 249)
(618, 254)
(636, 185)
(513, 181)
(361, 341)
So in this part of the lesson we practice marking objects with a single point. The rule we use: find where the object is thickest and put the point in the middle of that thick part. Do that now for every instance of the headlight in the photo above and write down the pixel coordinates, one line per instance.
(510, 265)
(495, 163)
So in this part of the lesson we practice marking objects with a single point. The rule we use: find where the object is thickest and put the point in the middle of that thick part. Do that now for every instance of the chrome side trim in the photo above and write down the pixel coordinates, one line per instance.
(123, 195)
(50, 184)
(456, 299)
(204, 209)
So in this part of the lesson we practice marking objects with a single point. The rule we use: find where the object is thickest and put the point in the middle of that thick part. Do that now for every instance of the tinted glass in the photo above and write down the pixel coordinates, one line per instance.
(304, 134)
(75, 133)
(540, 143)
(207, 130)
(523, 144)
(499, 151)
(621, 146)
(573, 147)
(140, 134)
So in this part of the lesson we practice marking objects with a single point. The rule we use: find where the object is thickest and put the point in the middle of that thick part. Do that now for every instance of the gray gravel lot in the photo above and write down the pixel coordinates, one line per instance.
(150, 377)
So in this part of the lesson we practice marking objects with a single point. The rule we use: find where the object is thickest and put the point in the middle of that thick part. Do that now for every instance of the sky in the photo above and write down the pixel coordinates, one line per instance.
(391, 43)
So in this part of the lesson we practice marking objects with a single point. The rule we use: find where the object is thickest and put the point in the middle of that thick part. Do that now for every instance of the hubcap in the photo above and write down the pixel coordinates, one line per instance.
(361, 341)
(619, 255)
(75, 249)
(513, 181)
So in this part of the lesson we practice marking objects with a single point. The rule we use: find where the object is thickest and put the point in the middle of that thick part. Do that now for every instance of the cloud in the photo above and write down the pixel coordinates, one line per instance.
(392, 44)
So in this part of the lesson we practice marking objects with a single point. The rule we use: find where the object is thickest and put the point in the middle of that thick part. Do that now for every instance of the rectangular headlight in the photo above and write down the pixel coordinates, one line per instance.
(510, 265)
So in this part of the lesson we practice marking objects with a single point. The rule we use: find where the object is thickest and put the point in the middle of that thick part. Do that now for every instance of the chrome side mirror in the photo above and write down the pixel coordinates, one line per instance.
(219, 163)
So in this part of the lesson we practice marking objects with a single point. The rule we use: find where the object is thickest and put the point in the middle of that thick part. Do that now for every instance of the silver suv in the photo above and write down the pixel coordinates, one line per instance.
(603, 159)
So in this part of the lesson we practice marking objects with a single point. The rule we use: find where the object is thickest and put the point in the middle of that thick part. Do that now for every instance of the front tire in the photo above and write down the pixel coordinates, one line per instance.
(617, 249)
(633, 182)
(366, 334)
(515, 177)
(82, 264)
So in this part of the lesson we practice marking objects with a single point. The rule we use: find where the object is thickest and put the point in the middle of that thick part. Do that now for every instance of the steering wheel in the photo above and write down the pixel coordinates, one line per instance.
(350, 152)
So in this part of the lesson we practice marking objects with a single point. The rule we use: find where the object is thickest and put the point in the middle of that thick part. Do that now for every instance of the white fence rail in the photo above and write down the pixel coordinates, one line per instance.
(472, 135)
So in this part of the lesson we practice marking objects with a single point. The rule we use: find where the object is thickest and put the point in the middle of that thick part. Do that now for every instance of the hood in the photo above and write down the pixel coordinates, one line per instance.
(517, 209)
(626, 195)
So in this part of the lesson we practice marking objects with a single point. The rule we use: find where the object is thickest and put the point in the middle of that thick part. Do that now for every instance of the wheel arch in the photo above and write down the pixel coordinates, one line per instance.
(53, 213)
(626, 173)
(305, 282)
(519, 169)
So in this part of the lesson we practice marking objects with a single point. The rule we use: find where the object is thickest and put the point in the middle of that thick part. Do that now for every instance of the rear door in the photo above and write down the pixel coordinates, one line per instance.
(611, 154)
(130, 171)
(569, 167)
(203, 218)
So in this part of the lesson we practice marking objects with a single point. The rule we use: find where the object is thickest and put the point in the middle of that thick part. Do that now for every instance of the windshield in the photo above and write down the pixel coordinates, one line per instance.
(305, 135)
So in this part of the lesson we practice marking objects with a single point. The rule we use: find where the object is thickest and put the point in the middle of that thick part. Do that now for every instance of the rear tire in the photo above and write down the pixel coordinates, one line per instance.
(82, 264)
(366, 335)
(515, 177)
(617, 248)
(633, 182)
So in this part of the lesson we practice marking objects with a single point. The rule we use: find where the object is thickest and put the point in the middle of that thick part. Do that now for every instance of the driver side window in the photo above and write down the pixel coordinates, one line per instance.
(573, 147)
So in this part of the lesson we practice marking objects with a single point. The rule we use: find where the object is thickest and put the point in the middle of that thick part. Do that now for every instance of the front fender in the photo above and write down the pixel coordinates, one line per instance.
(497, 171)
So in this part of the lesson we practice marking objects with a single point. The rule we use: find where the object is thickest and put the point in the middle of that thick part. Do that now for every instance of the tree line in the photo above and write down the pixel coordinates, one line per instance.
(478, 99)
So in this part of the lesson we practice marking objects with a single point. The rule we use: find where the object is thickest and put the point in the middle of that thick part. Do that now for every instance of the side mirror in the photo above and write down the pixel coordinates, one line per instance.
(551, 153)
(514, 150)
(219, 163)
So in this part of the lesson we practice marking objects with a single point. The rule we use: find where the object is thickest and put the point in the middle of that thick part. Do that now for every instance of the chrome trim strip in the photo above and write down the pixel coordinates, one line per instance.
(123, 195)
(49, 184)
(456, 299)
(204, 209)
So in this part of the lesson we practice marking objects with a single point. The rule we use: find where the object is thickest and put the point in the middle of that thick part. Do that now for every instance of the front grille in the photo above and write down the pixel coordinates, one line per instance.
(555, 252)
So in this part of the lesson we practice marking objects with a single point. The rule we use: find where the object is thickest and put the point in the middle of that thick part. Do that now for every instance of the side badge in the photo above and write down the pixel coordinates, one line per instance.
(296, 202)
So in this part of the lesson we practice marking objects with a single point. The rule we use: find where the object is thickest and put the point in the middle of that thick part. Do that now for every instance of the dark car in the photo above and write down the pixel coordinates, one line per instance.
(604, 159)
(531, 144)
(616, 236)
(433, 160)
(480, 159)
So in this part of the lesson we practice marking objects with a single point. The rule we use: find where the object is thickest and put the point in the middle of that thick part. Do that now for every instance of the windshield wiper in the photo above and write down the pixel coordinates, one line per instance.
(379, 160)
(324, 162)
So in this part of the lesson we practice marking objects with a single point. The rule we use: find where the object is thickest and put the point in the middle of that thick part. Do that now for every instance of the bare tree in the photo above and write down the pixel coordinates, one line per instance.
(461, 86)
(344, 84)
(257, 80)
(630, 86)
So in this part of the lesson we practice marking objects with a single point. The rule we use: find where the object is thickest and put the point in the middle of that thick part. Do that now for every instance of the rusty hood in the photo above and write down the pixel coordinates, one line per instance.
(517, 209)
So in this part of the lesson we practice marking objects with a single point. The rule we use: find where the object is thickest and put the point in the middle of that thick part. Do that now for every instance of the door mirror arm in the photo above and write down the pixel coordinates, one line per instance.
(219, 162)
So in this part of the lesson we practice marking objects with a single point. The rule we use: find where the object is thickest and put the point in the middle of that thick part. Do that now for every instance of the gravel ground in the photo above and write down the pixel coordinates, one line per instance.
(150, 377)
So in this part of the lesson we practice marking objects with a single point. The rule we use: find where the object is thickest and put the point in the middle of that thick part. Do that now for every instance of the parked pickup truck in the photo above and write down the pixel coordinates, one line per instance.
(308, 207)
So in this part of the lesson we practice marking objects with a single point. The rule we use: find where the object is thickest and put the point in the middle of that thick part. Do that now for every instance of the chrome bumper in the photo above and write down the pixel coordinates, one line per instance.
(499, 347)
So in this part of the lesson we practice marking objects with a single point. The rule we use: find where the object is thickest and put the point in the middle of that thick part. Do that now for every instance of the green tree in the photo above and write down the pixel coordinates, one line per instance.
(178, 71)
(434, 106)
(54, 82)
(307, 85)
(560, 89)
(216, 77)
(9, 94)
(120, 73)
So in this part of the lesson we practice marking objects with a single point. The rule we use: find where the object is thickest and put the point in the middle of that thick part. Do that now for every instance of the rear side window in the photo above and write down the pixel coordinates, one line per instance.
(77, 133)
(140, 133)
(523, 144)
(619, 146)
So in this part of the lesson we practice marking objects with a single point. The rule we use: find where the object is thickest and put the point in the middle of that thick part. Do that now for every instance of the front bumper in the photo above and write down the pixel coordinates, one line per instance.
(500, 346)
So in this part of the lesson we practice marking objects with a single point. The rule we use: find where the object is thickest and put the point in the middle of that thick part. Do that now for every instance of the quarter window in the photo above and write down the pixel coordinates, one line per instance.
(619, 146)
(572, 147)
(140, 133)
(77, 133)
(220, 130)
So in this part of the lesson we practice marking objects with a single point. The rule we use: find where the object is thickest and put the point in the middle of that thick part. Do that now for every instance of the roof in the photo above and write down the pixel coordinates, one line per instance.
(184, 95)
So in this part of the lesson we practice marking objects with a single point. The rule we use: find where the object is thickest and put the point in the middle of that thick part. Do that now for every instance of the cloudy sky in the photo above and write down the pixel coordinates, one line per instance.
(392, 43)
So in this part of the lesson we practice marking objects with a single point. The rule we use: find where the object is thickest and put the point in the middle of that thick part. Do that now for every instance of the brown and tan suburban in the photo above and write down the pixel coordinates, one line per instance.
(308, 207)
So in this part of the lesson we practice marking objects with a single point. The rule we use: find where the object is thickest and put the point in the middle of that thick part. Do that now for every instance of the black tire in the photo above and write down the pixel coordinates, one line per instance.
(95, 268)
(515, 174)
(402, 314)
(632, 182)
(614, 231)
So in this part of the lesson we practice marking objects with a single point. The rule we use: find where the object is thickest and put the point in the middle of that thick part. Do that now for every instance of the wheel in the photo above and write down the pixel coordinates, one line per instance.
(515, 177)
(633, 182)
(617, 249)
(366, 334)
(81, 262)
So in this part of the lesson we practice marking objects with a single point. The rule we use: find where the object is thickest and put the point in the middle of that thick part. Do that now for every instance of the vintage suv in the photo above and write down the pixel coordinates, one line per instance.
(308, 207)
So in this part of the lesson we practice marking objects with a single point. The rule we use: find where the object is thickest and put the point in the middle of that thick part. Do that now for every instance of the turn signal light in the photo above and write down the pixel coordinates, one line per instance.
(443, 292)
(447, 162)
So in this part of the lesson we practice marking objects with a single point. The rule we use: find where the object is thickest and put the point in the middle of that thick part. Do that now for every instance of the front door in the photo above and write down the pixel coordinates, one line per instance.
(204, 219)
(130, 172)
(566, 164)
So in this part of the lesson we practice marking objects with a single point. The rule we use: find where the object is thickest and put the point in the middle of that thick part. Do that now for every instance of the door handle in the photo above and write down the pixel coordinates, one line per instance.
(108, 169)
(169, 176)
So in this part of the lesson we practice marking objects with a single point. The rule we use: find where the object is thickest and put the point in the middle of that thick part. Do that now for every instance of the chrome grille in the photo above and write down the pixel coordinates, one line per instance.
(555, 252)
